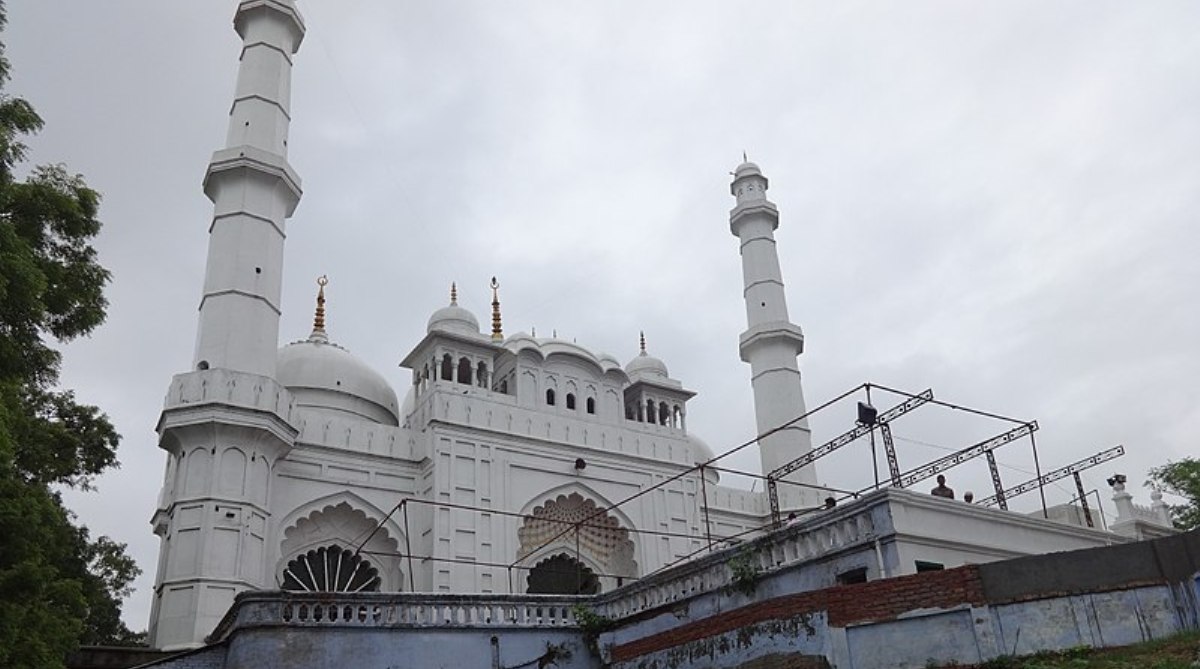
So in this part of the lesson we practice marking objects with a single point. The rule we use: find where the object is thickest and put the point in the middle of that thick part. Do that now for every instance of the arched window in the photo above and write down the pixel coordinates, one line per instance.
(330, 569)
(464, 371)
(481, 375)
(550, 396)
(591, 405)
(504, 386)
(628, 412)
(571, 401)
(641, 413)
(447, 368)
(675, 415)
(650, 411)
(664, 414)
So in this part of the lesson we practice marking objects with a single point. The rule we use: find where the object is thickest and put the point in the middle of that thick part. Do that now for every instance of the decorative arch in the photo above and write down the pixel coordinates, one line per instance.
(604, 545)
(343, 520)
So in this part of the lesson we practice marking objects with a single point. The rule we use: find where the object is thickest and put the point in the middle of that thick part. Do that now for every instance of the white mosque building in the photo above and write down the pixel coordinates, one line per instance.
(285, 466)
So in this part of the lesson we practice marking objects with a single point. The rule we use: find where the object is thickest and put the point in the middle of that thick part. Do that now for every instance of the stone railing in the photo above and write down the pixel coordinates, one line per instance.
(827, 533)
(261, 608)
(223, 386)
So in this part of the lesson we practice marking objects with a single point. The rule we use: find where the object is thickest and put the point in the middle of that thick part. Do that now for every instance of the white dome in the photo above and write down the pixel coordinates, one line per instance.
(453, 318)
(326, 376)
(647, 365)
(703, 451)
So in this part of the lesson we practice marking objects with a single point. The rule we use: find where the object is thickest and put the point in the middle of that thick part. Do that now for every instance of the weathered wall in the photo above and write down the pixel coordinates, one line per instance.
(1097, 597)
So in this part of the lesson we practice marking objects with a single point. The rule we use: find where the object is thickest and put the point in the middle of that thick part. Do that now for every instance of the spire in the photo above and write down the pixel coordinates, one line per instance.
(453, 294)
(318, 333)
(642, 342)
(497, 329)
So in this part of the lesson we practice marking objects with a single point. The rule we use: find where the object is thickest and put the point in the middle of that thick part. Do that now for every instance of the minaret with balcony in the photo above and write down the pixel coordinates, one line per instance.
(227, 422)
(771, 343)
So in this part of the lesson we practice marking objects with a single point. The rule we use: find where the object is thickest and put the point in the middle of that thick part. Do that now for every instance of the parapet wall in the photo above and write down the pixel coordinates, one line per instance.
(1095, 597)
(743, 618)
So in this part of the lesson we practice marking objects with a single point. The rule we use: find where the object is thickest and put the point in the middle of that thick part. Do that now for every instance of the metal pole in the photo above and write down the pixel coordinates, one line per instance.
(996, 482)
(889, 447)
(704, 500)
(408, 546)
(874, 453)
(1087, 513)
(578, 563)
(1037, 466)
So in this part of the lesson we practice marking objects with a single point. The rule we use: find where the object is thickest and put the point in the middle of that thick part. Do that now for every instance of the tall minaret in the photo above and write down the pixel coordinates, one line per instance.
(226, 423)
(770, 343)
(254, 190)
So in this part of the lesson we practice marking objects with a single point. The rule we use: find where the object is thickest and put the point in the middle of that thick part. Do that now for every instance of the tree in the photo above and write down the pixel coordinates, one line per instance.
(1181, 479)
(58, 586)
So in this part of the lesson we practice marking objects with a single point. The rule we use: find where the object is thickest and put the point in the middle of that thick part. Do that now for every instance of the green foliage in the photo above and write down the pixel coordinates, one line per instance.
(745, 572)
(1183, 480)
(59, 587)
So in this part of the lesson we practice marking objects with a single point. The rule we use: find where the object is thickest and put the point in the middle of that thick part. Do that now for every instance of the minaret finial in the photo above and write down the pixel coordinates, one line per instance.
(497, 330)
(744, 158)
(642, 342)
(318, 333)
(453, 294)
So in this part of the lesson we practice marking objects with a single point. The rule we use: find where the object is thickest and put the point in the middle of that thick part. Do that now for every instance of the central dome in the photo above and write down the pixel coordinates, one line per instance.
(327, 377)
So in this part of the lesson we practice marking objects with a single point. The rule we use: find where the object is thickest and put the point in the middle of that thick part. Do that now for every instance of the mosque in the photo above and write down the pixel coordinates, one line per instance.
(300, 468)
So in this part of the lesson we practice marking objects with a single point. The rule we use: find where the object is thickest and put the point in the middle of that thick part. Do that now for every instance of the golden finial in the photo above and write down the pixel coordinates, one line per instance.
(319, 318)
(642, 341)
(497, 330)
(453, 294)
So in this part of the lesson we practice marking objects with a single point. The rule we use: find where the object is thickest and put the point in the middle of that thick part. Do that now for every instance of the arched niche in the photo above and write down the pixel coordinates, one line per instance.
(344, 521)
(570, 523)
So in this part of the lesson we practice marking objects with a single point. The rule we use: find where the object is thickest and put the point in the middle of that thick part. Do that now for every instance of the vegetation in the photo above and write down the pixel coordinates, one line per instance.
(1177, 652)
(1183, 480)
(59, 587)
(745, 572)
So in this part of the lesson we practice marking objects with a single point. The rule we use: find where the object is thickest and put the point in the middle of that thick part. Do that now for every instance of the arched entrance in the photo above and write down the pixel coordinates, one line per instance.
(571, 547)
(562, 574)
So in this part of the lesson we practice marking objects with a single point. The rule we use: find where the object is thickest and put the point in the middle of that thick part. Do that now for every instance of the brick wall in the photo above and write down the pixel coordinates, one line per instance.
(846, 604)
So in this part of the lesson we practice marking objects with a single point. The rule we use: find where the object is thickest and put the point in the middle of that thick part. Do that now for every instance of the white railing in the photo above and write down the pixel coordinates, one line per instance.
(799, 543)
(412, 610)
(224, 386)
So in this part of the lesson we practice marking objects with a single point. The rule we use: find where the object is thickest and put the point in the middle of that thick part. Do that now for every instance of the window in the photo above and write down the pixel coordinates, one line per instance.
(571, 401)
(923, 566)
(852, 576)
(591, 405)
(664, 414)
(481, 375)
(330, 569)
(447, 368)
(464, 371)
(550, 396)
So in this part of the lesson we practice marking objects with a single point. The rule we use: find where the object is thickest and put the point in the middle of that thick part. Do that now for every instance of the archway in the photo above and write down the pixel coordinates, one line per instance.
(572, 526)
(562, 574)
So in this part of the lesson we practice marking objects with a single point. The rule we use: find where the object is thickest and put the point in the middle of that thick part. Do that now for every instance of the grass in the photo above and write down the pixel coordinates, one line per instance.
(1178, 652)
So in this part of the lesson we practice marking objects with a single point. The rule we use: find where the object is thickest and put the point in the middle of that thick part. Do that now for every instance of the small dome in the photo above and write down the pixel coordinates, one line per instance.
(647, 365)
(746, 169)
(327, 376)
(453, 319)
(702, 451)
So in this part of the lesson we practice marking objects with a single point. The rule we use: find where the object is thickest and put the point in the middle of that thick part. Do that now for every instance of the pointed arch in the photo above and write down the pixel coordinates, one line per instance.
(344, 519)
(604, 545)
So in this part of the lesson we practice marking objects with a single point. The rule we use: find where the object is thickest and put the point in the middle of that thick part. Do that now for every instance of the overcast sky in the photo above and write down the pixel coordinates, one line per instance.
(997, 200)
